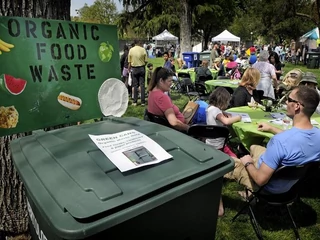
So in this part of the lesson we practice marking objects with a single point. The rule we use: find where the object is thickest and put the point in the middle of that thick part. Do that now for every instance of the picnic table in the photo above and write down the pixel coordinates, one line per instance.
(212, 84)
(193, 73)
(248, 133)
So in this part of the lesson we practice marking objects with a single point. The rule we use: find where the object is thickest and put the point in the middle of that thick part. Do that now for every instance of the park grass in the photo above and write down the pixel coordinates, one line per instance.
(274, 227)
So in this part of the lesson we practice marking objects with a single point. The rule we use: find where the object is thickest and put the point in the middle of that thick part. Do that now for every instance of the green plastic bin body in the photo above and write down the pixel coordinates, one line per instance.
(205, 56)
(313, 60)
(75, 192)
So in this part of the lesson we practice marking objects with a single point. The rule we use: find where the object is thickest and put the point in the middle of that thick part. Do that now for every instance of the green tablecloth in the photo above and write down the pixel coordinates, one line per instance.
(193, 73)
(248, 132)
(212, 84)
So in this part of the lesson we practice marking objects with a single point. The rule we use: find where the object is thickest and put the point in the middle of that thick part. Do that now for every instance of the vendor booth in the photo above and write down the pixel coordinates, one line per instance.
(226, 36)
(310, 38)
(163, 38)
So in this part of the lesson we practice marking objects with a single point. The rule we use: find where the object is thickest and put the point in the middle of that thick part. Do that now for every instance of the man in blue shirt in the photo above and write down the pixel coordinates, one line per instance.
(296, 146)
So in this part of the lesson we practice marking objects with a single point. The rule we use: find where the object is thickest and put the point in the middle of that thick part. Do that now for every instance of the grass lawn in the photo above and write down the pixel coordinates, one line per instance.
(275, 226)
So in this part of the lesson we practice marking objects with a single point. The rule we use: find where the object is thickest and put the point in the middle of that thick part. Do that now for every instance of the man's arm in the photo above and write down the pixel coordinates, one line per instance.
(271, 160)
(146, 59)
(264, 127)
(129, 60)
(260, 176)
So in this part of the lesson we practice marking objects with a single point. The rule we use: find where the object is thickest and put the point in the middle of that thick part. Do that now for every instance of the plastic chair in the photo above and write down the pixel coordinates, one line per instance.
(294, 173)
(209, 131)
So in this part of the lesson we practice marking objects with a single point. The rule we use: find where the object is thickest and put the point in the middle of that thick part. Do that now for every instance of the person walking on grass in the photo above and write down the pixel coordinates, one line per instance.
(137, 59)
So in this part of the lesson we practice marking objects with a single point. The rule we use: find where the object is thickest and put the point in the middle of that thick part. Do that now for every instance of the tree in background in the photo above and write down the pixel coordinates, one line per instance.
(13, 208)
(154, 19)
(186, 18)
(211, 18)
(310, 10)
(101, 12)
(184, 13)
(274, 20)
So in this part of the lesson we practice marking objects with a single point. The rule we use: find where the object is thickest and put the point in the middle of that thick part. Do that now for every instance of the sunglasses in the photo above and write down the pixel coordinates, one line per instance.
(289, 99)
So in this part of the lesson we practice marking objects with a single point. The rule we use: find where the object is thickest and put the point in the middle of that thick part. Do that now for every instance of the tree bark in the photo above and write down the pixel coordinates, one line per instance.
(185, 27)
(13, 210)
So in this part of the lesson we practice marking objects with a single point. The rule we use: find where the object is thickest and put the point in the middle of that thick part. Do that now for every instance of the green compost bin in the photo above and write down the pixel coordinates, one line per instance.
(75, 192)
(205, 55)
(313, 60)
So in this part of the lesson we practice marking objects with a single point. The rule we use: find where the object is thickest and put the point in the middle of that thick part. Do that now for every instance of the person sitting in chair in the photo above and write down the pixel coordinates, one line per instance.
(231, 64)
(203, 73)
(160, 103)
(293, 147)
(246, 92)
(220, 68)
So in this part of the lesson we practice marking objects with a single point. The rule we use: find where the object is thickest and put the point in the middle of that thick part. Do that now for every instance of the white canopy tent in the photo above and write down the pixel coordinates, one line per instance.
(165, 36)
(226, 36)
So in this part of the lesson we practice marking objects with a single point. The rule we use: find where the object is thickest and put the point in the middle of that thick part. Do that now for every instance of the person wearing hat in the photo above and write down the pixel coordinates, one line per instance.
(310, 80)
(217, 65)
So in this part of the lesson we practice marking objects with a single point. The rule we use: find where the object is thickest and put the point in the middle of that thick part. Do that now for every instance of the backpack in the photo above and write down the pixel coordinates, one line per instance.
(293, 77)
(200, 116)
(235, 73)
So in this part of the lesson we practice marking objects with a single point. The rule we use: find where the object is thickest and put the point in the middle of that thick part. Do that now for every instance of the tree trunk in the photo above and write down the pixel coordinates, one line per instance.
(13, 210)
(185, 27)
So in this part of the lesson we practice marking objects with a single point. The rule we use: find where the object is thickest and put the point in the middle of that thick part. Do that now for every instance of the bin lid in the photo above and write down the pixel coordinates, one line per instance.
(313, 53)
(189, 53)
(65, 174)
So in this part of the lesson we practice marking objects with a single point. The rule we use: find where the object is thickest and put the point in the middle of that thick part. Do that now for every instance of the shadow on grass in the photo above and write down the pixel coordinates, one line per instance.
(274, 218)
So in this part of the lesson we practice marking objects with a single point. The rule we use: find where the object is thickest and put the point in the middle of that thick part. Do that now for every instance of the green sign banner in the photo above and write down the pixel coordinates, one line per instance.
(51, 71)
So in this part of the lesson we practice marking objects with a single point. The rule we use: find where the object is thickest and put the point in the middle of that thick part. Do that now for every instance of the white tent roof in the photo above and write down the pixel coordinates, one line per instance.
(166, 36)
(226, 36)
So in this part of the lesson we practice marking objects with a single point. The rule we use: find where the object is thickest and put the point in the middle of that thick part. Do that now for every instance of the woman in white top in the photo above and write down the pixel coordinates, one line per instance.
(268, 75)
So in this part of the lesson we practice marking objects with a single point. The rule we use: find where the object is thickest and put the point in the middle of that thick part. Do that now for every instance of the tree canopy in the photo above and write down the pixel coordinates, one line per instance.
(101, 11)
(274, 20)
(271, 21)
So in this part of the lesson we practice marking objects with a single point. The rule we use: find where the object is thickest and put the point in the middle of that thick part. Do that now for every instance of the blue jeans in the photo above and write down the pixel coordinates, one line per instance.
(138, 79)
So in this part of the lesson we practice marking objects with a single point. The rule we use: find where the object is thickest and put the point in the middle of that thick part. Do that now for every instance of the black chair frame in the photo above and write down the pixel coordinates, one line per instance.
(209, 131)
(202, 91)
(297, 173)
(162, 120)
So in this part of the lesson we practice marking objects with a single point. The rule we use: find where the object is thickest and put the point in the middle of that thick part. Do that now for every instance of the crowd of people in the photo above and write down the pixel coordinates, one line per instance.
(259, 81)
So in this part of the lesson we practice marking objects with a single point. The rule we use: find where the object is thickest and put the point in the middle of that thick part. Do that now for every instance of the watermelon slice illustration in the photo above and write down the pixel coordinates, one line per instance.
(12, 85)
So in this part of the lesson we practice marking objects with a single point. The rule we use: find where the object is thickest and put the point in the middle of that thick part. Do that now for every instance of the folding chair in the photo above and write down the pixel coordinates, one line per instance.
(162, 120)
(202, 91)
(190, 92)
(203, 79)
(202, 131)
(187, 86)
(294, 173)
(260, 93)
